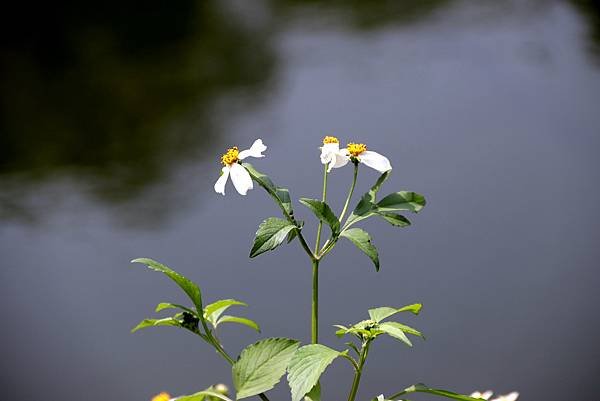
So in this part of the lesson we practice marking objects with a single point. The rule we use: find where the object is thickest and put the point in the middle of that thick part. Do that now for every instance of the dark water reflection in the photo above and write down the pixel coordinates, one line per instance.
(112, 122)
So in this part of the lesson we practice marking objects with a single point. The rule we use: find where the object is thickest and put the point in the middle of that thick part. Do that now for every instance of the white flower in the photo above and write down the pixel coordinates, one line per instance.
(334, 157)
(239, 176)
(508, 397)
(485, 395)
(380, 397)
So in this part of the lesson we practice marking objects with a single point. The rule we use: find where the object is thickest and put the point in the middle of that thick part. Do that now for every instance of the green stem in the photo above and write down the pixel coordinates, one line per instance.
(350, 192)
(314, 334)
(361, 363)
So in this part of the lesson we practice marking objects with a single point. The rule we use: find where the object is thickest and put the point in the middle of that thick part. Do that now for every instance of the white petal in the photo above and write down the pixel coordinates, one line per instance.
(255, 150)
(241, 179)
(380, 397)
(375, 161)
(220, 184)
(512, 396)
(340, 159)
(328, 152)
(487, 395)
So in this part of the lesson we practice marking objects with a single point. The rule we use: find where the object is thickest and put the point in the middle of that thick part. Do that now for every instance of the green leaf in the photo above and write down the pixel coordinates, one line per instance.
(191, 289)
(201, 396)
(395, 332)
(404, 328)
(241, 320)
(422, 388)
(378, 314)
(270, 235)
(366, 206)
(314, 394)
(362, 240)
(213, 311)
(307, 366)
(167, 305)
(323, 213)
(394, 219)
(167, 321)
(261, 365)
(402, 200)
(281, 193)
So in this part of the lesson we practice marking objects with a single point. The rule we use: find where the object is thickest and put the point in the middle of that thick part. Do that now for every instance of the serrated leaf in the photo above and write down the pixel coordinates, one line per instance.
(307, 366)
(402, 200)
(240, 320)
(270, 235)
(422, 388)
(281, 193)
(362, 240)
(314, 394)
(394, 219)
(189, 287)
(378, 314)
(261, 365)
(404, 328)
(213, 311)
(323, 213)
(167, 321)
(395, 332)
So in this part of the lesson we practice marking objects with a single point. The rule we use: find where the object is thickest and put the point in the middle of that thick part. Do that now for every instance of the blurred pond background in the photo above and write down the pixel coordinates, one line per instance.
(113, 116)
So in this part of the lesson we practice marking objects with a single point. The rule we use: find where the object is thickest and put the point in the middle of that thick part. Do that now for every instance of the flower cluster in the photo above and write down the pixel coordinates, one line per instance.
(331, 155)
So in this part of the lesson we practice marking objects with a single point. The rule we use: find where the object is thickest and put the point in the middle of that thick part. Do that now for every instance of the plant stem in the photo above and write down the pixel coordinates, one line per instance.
(350, 192)
(361, 362)
(314, 334)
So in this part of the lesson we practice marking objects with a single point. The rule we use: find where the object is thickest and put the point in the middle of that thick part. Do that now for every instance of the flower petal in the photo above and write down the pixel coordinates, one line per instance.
(220, 184)
(339, 159)
(255, 150)
(328, 152)
(241, 179)
(375, 161)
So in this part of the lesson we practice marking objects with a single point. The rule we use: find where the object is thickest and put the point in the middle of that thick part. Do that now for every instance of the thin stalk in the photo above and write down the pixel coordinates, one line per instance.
(361, 363)
(314, 333)
(350, 192)
(323, 198)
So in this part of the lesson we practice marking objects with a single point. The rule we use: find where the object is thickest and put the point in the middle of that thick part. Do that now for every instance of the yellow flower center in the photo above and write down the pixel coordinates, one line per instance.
(230, 157)
(330, 139)
(356, 149)
(161, 397)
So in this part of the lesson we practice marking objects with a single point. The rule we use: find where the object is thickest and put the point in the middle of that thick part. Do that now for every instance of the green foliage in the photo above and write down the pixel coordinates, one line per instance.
(191, 289)
(323, 213)
(240, 320)
(261, 365)
(281, 194)
(213, 311)
(205, 395)
(378, 314)
(167, 321)
(271, 233)
(395, 332)
(306, 367)
(314, 394)
(403, 200)
(362, 240)
(422, 388)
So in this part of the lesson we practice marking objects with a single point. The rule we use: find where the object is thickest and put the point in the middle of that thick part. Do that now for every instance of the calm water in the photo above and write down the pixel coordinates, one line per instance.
(113, 121)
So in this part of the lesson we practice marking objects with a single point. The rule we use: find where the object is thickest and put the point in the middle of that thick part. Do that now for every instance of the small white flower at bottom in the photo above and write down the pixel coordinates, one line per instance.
(485, 395)
(508, 397)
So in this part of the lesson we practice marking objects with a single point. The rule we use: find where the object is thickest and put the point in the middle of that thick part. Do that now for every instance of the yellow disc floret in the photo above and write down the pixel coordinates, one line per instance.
(330, 139)
(161, 397)
(230, 157)
(356, 149)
